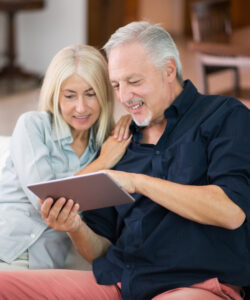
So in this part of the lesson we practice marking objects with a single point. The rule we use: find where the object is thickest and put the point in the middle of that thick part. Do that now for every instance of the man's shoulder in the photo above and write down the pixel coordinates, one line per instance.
(220, 104)
(221, 113)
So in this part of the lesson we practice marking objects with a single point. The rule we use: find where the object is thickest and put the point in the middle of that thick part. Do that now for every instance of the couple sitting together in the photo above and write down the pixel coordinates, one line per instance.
(184, 157)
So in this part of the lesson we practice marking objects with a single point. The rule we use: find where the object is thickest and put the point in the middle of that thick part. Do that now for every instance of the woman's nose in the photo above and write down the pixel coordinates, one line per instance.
(80, 105)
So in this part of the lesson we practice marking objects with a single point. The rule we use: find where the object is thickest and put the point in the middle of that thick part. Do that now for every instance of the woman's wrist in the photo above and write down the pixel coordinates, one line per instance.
(100, 163)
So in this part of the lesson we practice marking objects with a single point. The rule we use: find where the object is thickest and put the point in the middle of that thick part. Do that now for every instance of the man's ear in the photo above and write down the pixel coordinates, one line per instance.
(170, 70)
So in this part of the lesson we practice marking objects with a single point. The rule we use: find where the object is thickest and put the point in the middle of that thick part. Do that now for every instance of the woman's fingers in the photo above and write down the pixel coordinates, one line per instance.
(46, 206)
(61, 214)
(121, 131)
(73, 221)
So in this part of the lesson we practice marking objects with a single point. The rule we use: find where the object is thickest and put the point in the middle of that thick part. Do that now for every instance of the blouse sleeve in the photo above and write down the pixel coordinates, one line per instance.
(30, 153)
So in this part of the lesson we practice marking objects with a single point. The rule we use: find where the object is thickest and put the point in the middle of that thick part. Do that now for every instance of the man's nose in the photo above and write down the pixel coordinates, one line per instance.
(125, 94)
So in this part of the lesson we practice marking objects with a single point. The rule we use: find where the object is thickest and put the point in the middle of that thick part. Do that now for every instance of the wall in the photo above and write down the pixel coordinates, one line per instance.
(41, 33)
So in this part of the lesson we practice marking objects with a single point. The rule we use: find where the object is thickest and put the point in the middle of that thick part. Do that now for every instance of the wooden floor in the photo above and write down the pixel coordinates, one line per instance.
(26, 95)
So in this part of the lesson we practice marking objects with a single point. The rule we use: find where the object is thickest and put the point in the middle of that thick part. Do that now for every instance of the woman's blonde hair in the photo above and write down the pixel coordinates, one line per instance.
(89, 63)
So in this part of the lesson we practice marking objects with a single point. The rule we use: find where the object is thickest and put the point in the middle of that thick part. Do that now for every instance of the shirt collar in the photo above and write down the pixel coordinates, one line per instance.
(60, 132)
(177, 108)
(185, 99)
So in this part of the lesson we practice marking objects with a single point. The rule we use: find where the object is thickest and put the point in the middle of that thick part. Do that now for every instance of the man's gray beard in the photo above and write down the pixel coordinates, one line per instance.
(145, 122)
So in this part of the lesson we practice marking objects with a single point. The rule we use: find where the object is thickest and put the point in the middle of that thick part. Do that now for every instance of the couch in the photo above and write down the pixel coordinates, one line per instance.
(74, 260)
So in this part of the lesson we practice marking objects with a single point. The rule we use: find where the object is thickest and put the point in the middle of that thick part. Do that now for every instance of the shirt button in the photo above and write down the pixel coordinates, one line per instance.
(27, 214)
(158, 152)
(32, 235)
(128, 266)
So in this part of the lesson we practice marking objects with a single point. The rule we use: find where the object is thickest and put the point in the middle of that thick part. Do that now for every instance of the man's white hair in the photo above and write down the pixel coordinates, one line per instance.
(157, 42)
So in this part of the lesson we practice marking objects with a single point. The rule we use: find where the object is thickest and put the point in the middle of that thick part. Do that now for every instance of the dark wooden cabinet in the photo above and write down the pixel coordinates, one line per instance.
(105, 16)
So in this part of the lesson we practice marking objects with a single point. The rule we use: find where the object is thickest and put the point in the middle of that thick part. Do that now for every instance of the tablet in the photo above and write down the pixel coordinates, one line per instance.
(91, 191)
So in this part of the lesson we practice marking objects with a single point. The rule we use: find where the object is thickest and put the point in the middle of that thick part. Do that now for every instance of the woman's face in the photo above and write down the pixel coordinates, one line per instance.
(78, 103)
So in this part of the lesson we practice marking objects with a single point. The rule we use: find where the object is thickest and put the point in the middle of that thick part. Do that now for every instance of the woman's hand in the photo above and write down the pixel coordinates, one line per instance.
(115, 146)
(61, 215)
(121, 131)
(112, 151)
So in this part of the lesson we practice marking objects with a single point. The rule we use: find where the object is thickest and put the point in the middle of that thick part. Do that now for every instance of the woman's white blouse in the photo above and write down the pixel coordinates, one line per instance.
(36, 155)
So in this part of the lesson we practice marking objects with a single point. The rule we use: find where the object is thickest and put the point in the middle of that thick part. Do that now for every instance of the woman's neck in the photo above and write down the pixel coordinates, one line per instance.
(80, 142)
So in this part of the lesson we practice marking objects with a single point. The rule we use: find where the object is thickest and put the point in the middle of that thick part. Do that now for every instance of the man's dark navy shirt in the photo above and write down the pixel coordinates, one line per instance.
(206, 141)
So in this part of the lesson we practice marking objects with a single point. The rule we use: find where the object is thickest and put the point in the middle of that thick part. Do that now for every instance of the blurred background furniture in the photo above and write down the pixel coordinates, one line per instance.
(211, 22)
(11, 7)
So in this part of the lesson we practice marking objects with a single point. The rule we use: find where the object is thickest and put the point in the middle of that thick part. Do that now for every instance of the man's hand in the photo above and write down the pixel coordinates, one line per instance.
(207, 204)
(61, 215)
(126, 180)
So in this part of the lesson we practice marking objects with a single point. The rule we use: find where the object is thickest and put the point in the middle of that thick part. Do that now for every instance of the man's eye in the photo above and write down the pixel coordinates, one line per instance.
(134, 82)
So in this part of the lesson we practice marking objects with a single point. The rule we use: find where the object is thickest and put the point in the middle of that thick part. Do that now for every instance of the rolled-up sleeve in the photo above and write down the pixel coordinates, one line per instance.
(229, 157)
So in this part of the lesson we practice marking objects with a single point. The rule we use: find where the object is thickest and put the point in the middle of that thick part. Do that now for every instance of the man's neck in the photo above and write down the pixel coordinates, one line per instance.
(152, 133)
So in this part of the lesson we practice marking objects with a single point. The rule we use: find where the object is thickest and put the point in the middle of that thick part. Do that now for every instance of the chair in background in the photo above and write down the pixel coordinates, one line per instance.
(211, 22)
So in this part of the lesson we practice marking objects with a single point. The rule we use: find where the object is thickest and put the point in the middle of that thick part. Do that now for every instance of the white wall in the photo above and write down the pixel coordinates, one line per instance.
(41, 33)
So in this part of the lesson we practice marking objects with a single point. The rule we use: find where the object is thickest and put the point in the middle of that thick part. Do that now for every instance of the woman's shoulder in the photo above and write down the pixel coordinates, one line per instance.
(34, 120)
(35, 116)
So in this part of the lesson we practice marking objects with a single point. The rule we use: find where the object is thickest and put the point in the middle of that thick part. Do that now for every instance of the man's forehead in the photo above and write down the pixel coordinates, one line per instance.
(124, 71)
(126, 61)
(127, 53)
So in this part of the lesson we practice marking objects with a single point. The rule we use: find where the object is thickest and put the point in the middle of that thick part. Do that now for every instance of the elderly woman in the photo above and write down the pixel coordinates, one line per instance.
(63, 138)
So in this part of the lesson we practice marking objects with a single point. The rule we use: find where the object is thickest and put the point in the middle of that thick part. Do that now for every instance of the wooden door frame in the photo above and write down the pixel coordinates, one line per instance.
(105, 16)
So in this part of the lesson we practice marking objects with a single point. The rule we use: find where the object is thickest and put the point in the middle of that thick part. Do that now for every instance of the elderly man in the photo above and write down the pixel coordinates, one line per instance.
(188, 167)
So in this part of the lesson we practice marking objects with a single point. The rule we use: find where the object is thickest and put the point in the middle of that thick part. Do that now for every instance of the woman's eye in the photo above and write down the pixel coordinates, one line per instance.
(69, 96)
(91, 94)
(115, 86)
